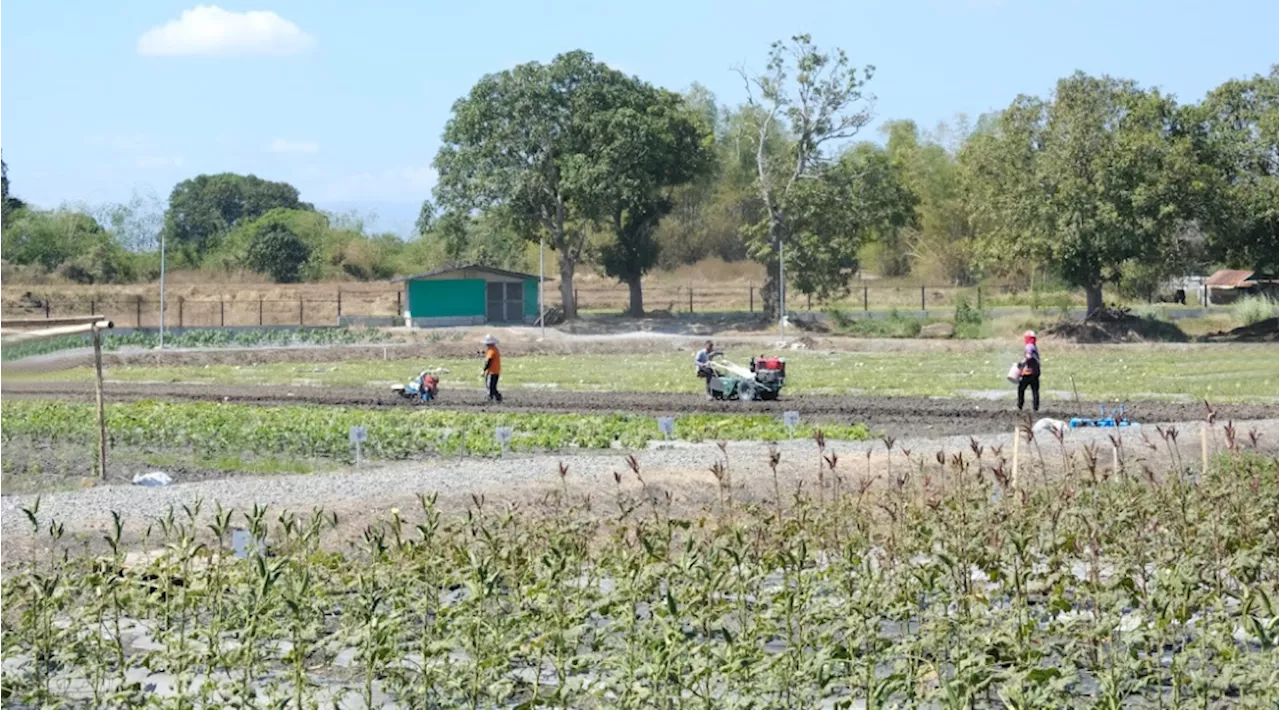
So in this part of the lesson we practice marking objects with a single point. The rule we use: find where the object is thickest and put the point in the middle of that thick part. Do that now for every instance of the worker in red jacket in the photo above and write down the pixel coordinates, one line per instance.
(1030, 371)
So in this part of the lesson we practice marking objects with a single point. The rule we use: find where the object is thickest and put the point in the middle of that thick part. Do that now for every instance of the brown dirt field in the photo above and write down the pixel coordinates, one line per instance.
(900, 415)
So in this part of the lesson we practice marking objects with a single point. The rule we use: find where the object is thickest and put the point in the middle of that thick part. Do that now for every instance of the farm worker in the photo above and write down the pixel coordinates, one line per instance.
(702, 364)
(1030, 371)
(492, 367)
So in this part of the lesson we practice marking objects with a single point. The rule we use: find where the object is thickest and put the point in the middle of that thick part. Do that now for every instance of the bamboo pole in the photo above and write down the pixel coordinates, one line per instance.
(1204, 450)
(26, 336)
(48, 322)
(1017, 434)
(102, 417)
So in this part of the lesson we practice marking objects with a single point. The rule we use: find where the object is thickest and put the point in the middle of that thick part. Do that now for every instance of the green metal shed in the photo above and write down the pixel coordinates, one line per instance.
(470, 295)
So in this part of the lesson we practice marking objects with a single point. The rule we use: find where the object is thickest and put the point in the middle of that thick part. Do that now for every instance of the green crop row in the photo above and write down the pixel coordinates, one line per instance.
(203, 338)
(322, 432)
(943, 590)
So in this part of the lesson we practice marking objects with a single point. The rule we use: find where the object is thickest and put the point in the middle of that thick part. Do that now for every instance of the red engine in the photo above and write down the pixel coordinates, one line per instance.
(771, 363)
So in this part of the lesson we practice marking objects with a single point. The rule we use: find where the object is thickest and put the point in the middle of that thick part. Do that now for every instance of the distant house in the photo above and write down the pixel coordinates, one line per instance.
(470, 295)
(1227, 285)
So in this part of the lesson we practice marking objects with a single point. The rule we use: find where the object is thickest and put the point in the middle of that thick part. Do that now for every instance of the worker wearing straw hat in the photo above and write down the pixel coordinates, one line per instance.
(492, 367)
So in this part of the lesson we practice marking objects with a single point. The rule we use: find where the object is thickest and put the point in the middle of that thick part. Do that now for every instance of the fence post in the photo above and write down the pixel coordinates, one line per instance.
(751, 298)
(93, 306)
(222, 313)
(339, 306)
(922, 299)
(46, 306)
(137, 318)
(399, 308)
(979, 298)
(864, 298)
(299, 310)
(179, 311)
(575, 298)
(808, 301)
(259, 311)
(691, 298)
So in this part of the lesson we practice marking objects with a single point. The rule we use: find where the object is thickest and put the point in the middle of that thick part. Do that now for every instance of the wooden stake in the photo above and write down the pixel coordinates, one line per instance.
(1017, 435)
(1115, 461)
(102, 418)
(1204, 449)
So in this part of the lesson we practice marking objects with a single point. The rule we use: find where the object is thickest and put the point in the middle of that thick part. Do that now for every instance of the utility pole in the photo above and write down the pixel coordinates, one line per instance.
(542, 288)
(162, 289)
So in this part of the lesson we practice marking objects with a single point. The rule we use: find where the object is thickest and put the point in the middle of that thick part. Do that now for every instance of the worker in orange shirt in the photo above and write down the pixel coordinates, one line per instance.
(492, 367)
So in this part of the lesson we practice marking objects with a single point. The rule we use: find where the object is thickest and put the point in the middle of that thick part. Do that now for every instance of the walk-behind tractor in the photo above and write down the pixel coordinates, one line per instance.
(422, 388)
(763, 378)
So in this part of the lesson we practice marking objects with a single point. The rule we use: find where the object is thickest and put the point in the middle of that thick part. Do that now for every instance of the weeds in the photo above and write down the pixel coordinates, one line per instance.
(1253, 309)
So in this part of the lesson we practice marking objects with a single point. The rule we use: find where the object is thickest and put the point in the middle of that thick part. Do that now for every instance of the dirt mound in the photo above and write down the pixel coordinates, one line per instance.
(1266, 331)
(1116, 325)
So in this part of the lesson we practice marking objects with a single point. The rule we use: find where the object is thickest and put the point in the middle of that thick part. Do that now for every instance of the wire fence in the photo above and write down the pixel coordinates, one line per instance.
(317, 308)
(215, 312)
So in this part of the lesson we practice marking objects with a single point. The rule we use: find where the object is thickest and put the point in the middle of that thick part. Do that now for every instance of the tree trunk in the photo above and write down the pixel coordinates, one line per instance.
(769, 295)
(566, 285)
(636, 309)
(1092, 299)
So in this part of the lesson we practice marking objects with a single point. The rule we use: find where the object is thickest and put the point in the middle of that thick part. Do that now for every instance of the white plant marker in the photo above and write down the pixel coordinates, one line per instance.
(791, 420)
(357, 435)
(502, 435)
(667, 425)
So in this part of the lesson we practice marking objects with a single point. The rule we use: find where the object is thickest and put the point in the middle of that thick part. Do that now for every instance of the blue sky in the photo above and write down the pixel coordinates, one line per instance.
(347, 100)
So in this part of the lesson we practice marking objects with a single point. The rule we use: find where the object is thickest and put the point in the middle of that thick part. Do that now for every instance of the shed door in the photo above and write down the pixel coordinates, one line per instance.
(504, 302)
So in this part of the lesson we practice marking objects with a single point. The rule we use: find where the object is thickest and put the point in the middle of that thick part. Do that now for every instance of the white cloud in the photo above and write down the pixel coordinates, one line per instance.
(210, 30)
(281, 145)
(393, 185)
(158, 162)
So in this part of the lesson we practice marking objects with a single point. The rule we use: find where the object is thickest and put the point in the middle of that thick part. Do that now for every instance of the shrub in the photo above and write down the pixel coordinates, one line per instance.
(967, 314)
(1253, 309)
(279, 253)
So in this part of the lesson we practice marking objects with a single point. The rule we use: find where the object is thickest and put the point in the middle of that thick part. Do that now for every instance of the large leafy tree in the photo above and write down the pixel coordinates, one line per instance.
(1235, 129)
(204, 208)
(520, 141)
(1088, 180)
(643, 145)
(815, 99)
(859, 198)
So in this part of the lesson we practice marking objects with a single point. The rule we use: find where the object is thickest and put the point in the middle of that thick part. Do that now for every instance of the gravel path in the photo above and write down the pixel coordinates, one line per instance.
(682, 468)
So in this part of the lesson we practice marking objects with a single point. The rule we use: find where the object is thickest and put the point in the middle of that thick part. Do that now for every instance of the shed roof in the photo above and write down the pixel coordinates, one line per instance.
(468, 267)
(1230, 278)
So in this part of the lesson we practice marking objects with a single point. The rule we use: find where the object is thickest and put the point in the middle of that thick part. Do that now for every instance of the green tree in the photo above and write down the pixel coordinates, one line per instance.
(709, 213)
(519, 141)
(426, 218)
(644, 145)
(204, 208)
(940, 245)
(277, 252)
(1093, 178)
(861, 197)
(817, 99)
(50, 238)
(8, 202)
(1235, 131)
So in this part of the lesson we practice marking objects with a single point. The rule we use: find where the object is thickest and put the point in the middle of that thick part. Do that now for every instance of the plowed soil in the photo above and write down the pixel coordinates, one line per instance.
(900, 416)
